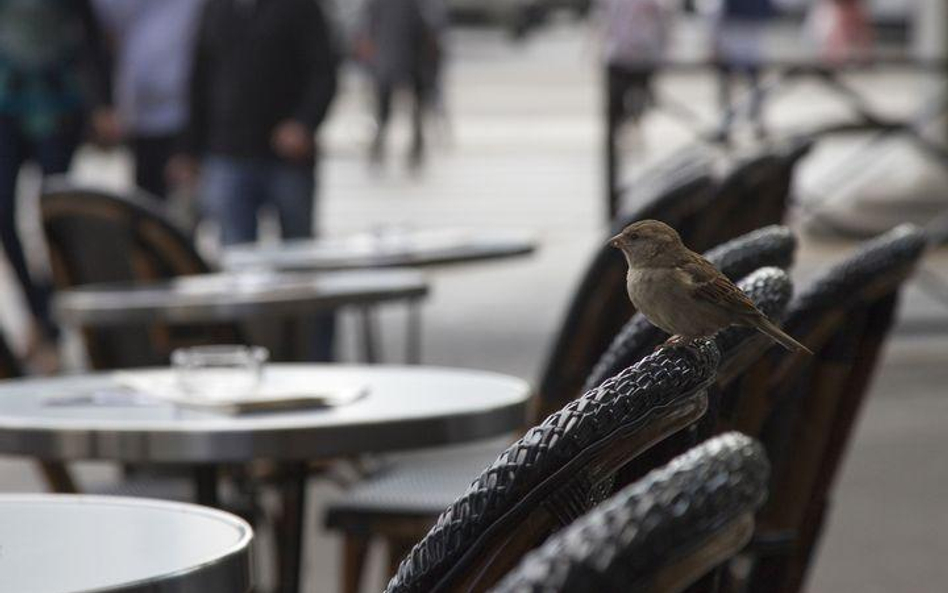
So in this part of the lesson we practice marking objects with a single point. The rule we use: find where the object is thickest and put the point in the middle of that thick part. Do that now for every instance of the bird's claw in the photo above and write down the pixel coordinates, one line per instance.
(670, 342)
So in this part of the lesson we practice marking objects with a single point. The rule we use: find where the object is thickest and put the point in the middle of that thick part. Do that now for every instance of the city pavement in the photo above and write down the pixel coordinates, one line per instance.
(519, 147)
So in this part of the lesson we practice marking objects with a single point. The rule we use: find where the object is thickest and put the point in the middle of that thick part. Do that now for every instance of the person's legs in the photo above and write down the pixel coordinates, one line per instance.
(383, 112)
(756, 111)
(421, 92)
(230, 194)
(291, 189)
(615, 114)
(151, 154)
(639, 93)
(12, 155)
(725, 73)
(53, 153)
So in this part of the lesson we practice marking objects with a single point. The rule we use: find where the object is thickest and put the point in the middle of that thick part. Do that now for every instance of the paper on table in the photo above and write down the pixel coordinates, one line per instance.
(271, 394)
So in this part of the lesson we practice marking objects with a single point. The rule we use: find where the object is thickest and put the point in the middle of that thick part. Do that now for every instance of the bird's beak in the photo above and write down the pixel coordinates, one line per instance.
(616, 242)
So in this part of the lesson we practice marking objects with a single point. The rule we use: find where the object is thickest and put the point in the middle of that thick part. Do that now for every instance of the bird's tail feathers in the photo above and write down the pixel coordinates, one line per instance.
(778, 335)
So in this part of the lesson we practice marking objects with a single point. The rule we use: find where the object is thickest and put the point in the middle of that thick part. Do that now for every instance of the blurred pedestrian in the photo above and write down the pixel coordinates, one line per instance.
(401, 41)
(738, 40)
(841, 29)
(50, 75)
(635, 37)
(263, 77)
(152, 42)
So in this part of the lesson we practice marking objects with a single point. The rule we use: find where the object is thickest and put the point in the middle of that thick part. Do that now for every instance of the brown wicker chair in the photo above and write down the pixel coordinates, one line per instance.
(600, 305)
(660, 534)
(753, 195)
(770, 246)
(399, 503)
(803, 408)
(557, 471)
(56, 475)
(96, 236)
(756, 192)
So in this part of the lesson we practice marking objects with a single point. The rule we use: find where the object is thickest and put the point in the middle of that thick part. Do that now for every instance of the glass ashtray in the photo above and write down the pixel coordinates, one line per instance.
(219, 372)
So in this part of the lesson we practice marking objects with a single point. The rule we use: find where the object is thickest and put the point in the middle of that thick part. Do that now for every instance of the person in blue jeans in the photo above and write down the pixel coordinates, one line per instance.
(739, 45)
(264, 75)
(263, 78)
(50, 67)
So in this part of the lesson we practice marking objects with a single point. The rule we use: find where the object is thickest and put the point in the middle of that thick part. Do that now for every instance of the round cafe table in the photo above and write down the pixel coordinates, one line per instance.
(99, 417)
(56, 543)
(252, 295)
(385, 247)
(230, 297)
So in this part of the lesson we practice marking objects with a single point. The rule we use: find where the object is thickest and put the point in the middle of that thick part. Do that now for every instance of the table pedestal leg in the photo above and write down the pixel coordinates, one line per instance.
(205, 483)
(290, 543)
(413, 342)
(370, 345)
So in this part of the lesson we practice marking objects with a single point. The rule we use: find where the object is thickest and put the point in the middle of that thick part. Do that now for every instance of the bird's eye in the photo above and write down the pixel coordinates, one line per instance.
(633, 236)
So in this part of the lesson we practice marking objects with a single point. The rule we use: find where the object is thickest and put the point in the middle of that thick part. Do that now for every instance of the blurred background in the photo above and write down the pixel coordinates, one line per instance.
(539, 115)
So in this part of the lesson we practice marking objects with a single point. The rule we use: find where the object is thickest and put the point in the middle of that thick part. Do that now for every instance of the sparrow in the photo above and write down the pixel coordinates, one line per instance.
(682, 293)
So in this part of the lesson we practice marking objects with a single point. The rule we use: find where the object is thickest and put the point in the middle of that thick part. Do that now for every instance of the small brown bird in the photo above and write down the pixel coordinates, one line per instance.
(680, 292)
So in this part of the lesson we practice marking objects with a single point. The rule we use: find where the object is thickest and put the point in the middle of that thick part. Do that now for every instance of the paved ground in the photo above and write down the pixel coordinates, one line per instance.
(522, 150)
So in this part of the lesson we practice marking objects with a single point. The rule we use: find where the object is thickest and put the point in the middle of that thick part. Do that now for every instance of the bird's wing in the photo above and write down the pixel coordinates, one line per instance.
(710, 285)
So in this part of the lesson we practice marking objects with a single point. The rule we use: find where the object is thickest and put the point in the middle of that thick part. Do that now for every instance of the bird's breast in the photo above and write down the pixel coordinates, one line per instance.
(662, 295)
(646, 285)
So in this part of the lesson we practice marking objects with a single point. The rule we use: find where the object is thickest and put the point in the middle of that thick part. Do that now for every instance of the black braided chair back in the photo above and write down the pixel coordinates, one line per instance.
(97, 236)
(770, 246)
(803, 408)
(660, 534)
(690, 162)
(705, 214)
(600, 305)
(557, 471)
(755, 193)
(770, 289)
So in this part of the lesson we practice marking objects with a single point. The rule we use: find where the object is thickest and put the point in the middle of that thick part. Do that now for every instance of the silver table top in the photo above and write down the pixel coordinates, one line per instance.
(385, 248)
(57, 543)
(405, 407)
(233, 296)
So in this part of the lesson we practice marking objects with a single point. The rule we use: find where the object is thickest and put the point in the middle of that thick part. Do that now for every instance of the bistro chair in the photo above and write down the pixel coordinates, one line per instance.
(757, 191)
(399, 503)
(803, 408)
(770, 290)
(660, 534)
(95, 236)
(56, 475)
(557, 471)
(770, 246)
(705, 213)
(600, 305)
(690, 162)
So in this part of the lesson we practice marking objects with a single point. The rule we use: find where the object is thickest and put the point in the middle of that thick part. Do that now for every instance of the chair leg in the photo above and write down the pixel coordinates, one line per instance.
(58, 478)
(355, 549)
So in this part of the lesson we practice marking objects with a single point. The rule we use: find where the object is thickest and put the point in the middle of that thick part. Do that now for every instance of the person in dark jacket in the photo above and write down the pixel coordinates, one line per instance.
(401, 42)
(51, 75)
(264, 75)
